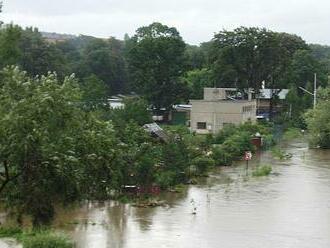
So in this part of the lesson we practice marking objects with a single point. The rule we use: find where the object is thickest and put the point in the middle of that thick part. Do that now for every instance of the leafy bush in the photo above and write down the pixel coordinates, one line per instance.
(47, 240)
(292, 133)
(220, 156)
(224, 133)
(10, 232)
(166, 179)
(278, 153)
(203, 164)
(268, 141)
(264, 170)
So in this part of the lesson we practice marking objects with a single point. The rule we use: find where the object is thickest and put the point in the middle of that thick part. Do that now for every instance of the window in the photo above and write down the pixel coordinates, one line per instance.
(247, 109)
(201, 125)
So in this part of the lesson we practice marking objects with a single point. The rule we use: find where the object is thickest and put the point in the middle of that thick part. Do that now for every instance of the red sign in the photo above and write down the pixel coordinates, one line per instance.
(248, 155)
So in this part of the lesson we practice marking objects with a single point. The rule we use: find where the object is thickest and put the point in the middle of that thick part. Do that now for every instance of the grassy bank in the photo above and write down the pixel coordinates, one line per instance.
(36, 238)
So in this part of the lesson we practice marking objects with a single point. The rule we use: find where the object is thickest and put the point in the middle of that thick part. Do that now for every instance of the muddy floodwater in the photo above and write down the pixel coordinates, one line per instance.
(289, 208)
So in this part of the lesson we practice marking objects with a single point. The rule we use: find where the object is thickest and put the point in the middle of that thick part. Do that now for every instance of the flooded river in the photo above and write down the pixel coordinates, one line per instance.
(289, 208)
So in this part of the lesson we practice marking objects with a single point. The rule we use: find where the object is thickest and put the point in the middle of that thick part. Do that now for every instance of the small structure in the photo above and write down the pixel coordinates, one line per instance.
(180, 115)
(264, 102)
(220, 107)
(117, 101)
(156, 131)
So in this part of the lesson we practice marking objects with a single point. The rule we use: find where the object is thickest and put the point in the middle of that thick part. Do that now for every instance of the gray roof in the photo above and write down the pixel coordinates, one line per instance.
(156, 130)
(266, 93)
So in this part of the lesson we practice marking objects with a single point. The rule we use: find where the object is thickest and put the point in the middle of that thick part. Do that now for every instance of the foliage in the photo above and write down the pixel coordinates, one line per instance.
(49, 145)
(292, 133)
(135, 109)
(46, 240)
(232, 141)
(318, 122)
(105, 59)
(155, 64)
(197, 80)
(203, 164)
(94, 92)
(263, 170)
(248, 56)
(278, 153)
(10, 232)
(36, 238)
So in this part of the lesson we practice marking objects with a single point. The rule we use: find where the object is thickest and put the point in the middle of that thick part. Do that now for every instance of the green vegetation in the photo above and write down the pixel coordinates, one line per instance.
(263, 170)
(46, 240)
(292, 133)
(318, 121)
(203, 164)
(11, 232)
(36, 238)
(232, 141)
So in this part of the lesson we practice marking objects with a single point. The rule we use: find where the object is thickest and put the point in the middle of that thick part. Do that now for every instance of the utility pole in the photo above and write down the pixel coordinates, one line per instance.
(314, 93)
(314, 90)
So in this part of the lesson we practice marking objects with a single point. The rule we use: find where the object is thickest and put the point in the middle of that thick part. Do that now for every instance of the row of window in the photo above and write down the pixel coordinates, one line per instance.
(202, 125)
(248, 108)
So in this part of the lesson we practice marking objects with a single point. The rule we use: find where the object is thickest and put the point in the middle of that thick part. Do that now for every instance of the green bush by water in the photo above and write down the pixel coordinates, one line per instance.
(47, 240)
(36, 238)
(292, 133)
(264, 170)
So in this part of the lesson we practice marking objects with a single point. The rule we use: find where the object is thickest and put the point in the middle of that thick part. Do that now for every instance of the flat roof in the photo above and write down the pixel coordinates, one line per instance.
(225, 101)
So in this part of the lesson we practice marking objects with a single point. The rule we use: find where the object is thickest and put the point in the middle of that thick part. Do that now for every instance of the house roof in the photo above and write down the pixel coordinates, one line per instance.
(267, 93)
(156, 130)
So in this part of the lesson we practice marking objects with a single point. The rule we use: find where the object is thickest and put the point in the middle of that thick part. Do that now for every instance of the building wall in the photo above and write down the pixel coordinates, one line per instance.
(216, 114)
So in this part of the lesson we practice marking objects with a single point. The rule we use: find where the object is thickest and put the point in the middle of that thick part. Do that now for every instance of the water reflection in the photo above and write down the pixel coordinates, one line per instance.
(290, 208)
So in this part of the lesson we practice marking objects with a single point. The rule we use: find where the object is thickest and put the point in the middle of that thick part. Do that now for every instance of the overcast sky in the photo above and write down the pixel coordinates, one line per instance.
(196, 20)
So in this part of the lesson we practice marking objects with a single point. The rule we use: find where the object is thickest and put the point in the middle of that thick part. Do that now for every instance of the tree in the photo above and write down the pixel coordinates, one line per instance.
(94, 92)
(156, 61)
(197, 80)
(48, 145)
(318, 121)
(39, 57)
(104, 58)
(195, 57)
(10, 52)
(246, 57)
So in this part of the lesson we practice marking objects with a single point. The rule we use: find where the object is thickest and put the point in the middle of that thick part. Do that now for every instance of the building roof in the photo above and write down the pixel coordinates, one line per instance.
(267, 93)
(156, 130)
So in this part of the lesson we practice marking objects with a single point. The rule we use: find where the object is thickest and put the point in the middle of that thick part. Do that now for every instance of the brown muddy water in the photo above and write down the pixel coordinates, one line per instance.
(289, 208)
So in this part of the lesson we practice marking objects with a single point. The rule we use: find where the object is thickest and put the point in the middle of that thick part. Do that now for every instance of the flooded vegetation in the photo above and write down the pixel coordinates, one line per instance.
(288, 208)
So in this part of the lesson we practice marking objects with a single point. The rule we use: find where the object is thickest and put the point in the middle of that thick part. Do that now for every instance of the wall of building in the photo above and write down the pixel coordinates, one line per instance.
(216, 114)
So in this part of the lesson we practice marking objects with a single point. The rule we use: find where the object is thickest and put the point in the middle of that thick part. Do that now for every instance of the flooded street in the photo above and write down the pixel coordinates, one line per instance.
(289, 208)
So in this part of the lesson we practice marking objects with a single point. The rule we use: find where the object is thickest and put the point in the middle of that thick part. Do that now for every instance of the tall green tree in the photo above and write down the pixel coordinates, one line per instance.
(48, 145)
(156, 62)
(318, 121)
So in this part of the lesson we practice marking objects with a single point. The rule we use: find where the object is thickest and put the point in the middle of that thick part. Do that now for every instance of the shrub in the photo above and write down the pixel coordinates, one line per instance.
(10, 232)
(47, 240)
(203, 164)
(166, 179)
(278, 153)
(220, 157)
(292, 133)
(264, 170)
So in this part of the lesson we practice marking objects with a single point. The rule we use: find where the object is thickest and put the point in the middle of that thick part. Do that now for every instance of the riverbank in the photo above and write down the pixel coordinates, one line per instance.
(231, 209)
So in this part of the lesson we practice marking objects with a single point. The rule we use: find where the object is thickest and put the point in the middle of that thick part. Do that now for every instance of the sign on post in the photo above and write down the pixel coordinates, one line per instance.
(247, 157)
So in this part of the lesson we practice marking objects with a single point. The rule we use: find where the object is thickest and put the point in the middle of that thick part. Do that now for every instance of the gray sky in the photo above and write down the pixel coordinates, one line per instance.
(196, 20)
